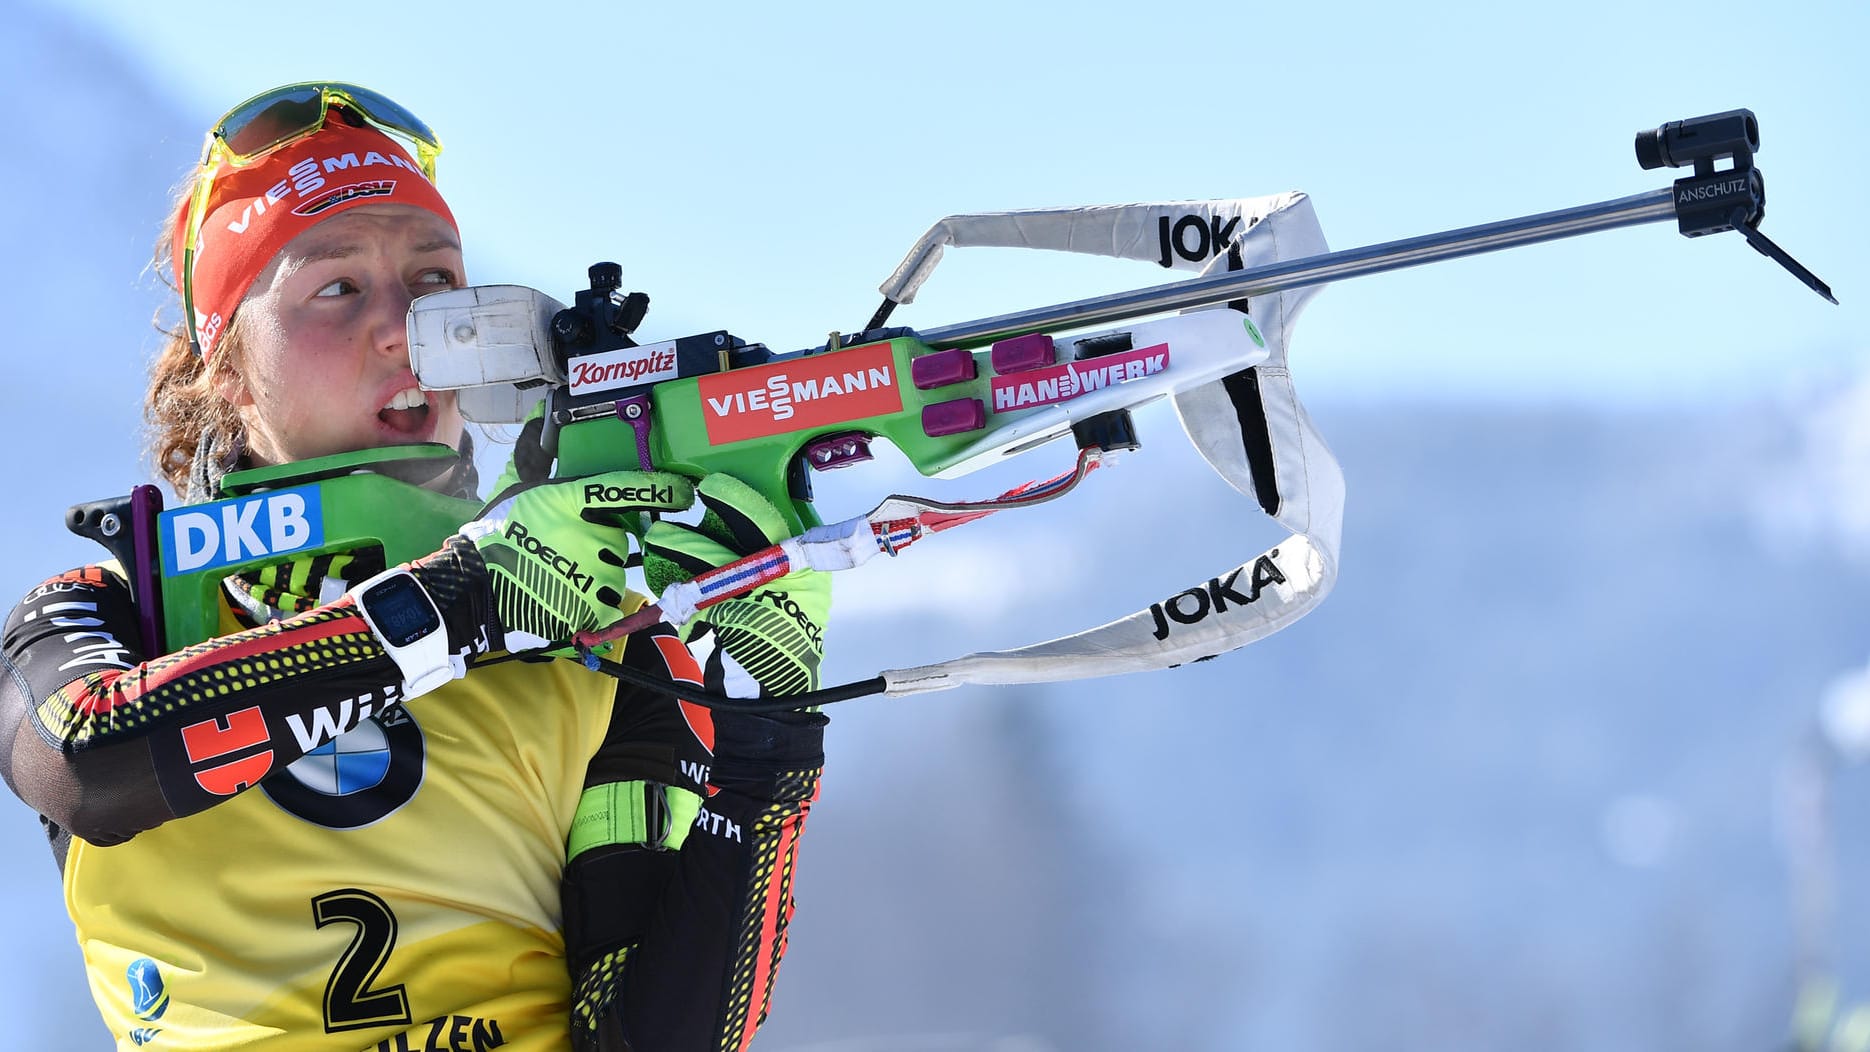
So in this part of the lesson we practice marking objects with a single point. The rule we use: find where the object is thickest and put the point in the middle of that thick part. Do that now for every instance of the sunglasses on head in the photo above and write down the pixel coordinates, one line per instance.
(276, 119)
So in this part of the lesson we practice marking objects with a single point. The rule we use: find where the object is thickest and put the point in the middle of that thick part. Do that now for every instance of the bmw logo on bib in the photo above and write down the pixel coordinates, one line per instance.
(357, 778)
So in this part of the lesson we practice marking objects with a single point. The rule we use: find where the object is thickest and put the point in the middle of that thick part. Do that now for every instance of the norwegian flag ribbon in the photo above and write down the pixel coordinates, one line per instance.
(888, 528)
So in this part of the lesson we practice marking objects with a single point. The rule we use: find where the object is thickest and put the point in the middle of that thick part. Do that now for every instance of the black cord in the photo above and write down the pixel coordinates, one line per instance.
(882, 315)
(713, 699)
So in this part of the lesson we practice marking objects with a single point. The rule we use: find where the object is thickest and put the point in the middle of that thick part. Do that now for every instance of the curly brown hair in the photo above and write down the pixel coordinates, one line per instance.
(183, 404)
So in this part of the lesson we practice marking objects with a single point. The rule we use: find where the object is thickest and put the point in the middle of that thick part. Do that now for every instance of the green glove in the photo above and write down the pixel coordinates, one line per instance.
(531, 462)
(555, 552)
(773, 637)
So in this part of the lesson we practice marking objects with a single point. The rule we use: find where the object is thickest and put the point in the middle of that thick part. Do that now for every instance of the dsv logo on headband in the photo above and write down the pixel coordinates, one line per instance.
(373, 188)
(308, 177)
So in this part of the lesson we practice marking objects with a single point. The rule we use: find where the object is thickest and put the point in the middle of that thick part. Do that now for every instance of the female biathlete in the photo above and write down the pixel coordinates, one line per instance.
(344, 823)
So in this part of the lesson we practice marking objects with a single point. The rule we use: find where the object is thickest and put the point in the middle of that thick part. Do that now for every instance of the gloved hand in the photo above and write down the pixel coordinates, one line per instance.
(531, 462)
(773, 637)
(555, 552)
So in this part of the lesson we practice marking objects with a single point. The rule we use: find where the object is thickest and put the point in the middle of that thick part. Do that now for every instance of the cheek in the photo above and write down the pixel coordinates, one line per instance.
(263, 330)
(264, 345)
(290, 379)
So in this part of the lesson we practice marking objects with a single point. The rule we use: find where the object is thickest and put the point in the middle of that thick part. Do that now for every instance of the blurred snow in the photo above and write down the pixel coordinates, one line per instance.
(1844, 714)
(1639, 830)
(1820, 492)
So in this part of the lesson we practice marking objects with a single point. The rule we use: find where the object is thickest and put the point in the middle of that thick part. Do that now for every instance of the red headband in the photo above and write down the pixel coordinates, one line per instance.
(253, 211)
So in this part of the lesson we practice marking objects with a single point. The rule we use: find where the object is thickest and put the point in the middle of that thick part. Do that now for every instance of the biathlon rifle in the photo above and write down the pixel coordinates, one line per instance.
(952, 399)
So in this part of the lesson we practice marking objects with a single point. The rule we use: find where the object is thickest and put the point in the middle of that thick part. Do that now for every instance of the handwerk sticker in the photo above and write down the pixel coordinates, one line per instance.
(1062, 383)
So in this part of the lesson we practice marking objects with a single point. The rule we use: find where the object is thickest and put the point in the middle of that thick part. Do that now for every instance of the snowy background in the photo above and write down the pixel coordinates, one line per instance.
(1522, 782)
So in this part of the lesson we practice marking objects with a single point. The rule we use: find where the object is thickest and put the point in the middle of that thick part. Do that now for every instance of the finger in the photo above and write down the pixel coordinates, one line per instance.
(636, 491)
(530, 463)
(627, 521)
(611, 591)
(739, 516)
(673, 552)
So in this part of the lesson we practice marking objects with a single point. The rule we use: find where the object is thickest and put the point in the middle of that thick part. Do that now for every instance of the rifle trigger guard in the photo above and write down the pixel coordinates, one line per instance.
(634, 411)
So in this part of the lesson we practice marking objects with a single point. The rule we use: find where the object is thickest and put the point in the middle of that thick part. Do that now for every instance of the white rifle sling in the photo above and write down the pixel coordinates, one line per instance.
(1252, 417)
(1183, 235)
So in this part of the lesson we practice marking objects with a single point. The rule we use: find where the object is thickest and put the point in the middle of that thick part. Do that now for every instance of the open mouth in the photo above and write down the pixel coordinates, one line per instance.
(407, 412)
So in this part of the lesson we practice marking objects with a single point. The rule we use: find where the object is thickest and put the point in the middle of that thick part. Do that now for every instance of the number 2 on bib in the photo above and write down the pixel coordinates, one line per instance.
(350, 1003)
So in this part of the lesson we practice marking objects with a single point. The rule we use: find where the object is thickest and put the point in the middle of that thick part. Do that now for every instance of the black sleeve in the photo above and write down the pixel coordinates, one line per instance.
(677, 948)
(105, 741)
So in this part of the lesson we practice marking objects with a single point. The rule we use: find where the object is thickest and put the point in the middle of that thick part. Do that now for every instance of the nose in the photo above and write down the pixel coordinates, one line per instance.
(389, 325)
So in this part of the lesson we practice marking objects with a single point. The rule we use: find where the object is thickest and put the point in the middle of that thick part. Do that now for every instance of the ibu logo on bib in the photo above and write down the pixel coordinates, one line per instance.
(233, 531)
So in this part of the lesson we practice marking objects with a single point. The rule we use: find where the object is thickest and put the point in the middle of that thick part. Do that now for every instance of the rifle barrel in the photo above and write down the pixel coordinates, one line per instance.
(1651, 207)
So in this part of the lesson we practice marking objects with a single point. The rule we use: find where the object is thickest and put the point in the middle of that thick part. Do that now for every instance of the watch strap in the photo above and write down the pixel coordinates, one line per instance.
(425, 662)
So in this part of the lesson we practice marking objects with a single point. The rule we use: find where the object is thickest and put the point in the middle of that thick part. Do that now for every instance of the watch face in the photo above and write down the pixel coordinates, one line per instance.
(402, 612)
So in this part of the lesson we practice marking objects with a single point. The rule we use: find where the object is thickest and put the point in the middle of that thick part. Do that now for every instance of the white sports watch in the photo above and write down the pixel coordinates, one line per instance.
(404, 618)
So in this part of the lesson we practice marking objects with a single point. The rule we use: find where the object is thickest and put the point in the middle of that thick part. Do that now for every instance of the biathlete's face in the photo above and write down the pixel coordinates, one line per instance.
(326, 362)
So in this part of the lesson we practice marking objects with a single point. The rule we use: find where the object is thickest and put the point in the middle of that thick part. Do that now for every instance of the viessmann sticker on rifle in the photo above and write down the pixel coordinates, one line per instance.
(799, 394)
(628, 367)
(1062, 383)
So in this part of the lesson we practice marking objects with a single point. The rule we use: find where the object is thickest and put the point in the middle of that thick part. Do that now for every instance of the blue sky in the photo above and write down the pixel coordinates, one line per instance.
(763, 167)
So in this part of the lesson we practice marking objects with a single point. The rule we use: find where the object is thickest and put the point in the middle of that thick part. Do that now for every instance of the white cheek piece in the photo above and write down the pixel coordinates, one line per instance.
(405, 620)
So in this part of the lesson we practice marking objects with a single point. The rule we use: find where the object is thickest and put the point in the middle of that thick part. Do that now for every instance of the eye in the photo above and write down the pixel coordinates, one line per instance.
(340, 287)
(438, 278)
